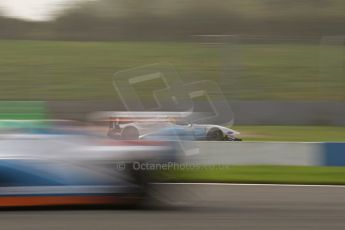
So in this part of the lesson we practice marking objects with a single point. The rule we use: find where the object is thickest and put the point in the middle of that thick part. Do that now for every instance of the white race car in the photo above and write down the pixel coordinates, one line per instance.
(198, 132)
(158, 129)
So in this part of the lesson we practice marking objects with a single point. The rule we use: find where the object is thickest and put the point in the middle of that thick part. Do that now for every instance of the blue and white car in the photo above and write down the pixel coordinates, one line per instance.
(171, 131)
(55, 168)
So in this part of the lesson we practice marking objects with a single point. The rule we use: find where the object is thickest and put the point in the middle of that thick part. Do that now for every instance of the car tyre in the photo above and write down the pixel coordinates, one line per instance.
(130, 133)
(215, 134)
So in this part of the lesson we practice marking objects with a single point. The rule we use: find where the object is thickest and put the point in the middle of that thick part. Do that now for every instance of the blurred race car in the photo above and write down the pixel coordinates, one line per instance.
(67, 169)
(193, 132)
(164, 126)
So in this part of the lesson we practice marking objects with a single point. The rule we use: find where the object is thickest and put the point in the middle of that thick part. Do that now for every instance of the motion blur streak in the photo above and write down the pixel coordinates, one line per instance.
(59, 165)
(108, 102)
(63, 200)
(206, 207)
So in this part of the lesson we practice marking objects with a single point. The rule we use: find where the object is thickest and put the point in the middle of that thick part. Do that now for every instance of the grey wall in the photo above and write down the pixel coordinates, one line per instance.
(258, 153)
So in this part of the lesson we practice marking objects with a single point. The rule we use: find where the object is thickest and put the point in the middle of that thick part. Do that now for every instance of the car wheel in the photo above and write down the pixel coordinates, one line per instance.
(141, 180)
(130, 133)
(215, 134)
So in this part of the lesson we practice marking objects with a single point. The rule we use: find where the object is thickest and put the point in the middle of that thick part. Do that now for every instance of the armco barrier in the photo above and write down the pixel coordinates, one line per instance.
(269, 153)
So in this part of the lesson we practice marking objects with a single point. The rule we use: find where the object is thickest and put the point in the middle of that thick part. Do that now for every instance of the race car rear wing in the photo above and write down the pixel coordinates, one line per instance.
(121, 117)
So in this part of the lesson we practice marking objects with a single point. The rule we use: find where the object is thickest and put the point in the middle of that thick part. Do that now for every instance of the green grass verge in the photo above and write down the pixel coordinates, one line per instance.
(22, 110)
(84, 70)
(258, 174)
(292, 133)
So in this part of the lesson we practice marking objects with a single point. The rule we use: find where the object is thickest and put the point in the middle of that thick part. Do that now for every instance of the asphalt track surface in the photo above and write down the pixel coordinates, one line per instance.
(203, 206)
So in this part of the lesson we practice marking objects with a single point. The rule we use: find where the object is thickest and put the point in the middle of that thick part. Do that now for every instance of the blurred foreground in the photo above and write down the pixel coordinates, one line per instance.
(206, 207)
(65, 164)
